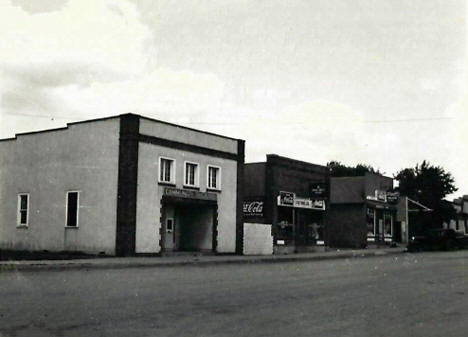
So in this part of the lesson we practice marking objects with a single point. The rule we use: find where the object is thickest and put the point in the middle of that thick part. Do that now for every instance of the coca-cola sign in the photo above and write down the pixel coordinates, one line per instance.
(253, 208)
(286, 199)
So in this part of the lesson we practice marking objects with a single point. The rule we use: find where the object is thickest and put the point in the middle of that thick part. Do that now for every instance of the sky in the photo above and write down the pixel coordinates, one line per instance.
(380, 82)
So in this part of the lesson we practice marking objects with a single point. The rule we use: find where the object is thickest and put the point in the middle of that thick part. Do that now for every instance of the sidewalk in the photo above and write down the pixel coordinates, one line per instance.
(170, 261)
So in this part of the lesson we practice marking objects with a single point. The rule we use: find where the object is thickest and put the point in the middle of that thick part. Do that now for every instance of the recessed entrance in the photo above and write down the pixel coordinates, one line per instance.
(188, 227)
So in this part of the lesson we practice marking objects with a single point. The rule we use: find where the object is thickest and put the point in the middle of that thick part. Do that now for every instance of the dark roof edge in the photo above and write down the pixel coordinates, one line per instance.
(112, 117)
(296, 161)
(59, 128)
(184, 127)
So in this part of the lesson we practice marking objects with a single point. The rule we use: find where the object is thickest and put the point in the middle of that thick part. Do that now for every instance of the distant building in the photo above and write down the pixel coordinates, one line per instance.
(362, 210)
(291, 196)
(460, 222)
(410, 217)
(121, 185)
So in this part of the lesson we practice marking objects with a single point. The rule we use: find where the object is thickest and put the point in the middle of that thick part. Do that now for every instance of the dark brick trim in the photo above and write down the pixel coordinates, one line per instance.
(162, 226)
(127, 185)
(240, 197)
(186, 147)
(214, 244)
(195, 188)
(186, 127)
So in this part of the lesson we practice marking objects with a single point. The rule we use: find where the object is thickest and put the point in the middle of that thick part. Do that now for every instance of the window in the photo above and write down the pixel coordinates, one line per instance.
(191, 174)
(214, 177)
(23, 209)
(166, 170)
(370, 217)
(73, 202)
(388, 224)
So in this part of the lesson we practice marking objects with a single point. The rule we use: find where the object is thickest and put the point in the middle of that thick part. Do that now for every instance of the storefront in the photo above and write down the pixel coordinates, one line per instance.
(189, 221)
(291, 196)
(300, 223)
(362, 211)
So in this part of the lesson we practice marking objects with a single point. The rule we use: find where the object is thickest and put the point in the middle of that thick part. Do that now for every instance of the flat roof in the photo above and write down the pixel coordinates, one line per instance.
(117, 116)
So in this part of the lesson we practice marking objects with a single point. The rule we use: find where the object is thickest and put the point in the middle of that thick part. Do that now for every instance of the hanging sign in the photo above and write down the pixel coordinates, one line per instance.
(392, 197)
(318, 190)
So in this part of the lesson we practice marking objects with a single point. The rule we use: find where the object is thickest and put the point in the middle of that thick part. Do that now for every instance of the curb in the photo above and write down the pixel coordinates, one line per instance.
(41, 266)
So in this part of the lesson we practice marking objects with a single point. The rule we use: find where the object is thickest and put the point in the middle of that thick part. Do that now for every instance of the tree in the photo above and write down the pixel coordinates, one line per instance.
(338, 169)
(429, 185)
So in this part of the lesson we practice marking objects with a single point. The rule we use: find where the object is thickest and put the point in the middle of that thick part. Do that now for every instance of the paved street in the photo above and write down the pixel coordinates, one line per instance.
(402, 295)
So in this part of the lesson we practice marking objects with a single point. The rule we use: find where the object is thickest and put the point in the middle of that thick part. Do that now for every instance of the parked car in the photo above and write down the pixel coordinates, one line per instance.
(438, 239)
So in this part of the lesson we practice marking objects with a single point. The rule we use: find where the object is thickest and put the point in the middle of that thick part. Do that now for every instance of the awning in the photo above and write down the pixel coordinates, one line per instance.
(381, 205)
(416, 206)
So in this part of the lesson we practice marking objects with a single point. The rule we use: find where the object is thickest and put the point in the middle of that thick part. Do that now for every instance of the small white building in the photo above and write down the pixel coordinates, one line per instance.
(121, 185)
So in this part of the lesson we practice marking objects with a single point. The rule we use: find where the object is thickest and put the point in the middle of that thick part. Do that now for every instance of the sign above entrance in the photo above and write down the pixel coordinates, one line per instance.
(289, 199)
(384, 196)
(286, 199)
(309, 203)
(392, 197)
(189, 194)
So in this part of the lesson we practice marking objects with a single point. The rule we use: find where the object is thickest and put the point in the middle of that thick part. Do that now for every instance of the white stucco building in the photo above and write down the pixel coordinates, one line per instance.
(121, 185)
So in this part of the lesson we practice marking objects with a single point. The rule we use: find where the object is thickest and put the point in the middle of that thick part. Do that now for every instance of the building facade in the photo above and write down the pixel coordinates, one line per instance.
(362, 211)
(460, 222)
(291, 195)
(121, 185)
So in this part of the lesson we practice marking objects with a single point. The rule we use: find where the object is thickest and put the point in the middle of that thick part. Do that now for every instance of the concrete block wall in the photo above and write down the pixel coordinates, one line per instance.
(257, 239)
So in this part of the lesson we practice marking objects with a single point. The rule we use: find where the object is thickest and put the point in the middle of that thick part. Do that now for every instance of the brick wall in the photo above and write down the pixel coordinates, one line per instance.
(347, 226)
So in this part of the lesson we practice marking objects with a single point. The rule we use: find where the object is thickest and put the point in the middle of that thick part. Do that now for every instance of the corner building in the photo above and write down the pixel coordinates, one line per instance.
(121, 185)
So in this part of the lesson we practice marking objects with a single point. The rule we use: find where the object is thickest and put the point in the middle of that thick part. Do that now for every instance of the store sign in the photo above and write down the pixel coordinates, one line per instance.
(253, 208)
(286, 199)
(384, 196)
(189, 194)
(381, 195)
(318, 190)
(309, 203)
(392, 197)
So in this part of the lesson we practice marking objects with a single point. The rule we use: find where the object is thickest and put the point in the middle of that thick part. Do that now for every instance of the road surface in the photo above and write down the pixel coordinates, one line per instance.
(422, 294)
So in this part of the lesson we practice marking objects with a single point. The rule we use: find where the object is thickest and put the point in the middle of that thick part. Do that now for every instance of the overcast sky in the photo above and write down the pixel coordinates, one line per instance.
(381, 82)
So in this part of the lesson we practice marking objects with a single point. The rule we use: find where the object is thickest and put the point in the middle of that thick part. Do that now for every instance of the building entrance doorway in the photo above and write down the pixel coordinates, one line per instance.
(188, 227)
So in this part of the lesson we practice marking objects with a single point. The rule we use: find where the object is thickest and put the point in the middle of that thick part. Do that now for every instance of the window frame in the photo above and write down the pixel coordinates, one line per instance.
(77, 209)
(388, 215)
(18, 210)
(374, 218)
(173, 175)
(218, 178)
(196, 176)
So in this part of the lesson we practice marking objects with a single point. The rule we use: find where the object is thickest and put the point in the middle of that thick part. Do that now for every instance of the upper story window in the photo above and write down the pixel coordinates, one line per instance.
(214, 177)
(166, 170)
(73, 206)
(23, 210)
(191, 174)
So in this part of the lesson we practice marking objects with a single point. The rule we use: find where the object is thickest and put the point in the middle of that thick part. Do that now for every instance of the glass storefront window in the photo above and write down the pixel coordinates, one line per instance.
(284, 229)
(388, 221)
(370, 218)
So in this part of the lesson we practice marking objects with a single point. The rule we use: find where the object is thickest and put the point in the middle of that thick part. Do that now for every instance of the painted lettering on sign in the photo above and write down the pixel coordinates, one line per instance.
(286, 199)
(318, 190)
(253, 208)
(309, 203)
(179, 193)
(392, 197)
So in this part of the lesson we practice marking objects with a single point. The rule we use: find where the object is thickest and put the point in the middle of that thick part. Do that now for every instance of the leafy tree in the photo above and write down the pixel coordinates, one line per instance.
(338, 169)
(428, 184)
